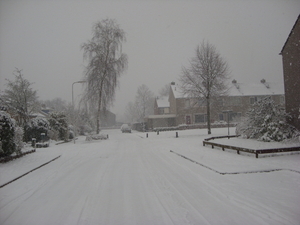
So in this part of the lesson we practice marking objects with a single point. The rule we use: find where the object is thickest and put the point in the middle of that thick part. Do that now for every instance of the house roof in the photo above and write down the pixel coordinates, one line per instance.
(163, 102)
(244, 89)
(292, 31)
(256, 89)
(178, 93)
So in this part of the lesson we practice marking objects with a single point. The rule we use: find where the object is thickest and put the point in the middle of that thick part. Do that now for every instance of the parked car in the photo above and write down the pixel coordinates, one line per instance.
(125, 128)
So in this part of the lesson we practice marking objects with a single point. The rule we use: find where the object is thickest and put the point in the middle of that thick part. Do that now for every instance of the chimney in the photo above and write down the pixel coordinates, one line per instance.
(235, 84)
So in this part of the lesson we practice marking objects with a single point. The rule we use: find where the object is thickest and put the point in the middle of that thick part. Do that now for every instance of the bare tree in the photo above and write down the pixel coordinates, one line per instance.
(106, 62)
(164, 91)
(20, 98)
(144, 101)
(131, 112)
(205, 77)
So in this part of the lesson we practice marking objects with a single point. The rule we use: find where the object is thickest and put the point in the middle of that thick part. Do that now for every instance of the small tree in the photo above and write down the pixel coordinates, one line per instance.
(106, 62)
(131, 112)
(20, 98)
(144, 102)
(266, 121)
(164, 91)
(206, 77)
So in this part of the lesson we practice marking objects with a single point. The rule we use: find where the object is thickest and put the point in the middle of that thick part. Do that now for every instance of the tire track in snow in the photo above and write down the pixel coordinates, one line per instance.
(182, 211)
(234, 173)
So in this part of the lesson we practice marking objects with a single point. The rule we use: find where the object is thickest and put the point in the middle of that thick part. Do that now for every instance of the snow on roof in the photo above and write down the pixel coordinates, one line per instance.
(178, 93)
(163, 102)
(40, 115)
(256, 89)
(244, 89)
(161, 116)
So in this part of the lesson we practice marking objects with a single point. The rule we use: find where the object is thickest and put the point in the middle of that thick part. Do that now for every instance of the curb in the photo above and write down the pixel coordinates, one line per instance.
(233, 173)
(29, 172)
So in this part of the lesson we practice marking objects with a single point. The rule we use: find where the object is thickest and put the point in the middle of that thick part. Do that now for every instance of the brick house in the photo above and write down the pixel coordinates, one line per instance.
(291, 73)
(192, 111)
(235, 104)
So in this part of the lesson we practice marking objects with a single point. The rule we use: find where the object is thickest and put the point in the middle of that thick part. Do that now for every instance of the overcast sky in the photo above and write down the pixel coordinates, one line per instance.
(43, 38)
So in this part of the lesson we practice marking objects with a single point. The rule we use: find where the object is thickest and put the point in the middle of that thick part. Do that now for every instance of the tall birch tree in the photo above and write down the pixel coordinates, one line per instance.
(106, 63)
(206, 76)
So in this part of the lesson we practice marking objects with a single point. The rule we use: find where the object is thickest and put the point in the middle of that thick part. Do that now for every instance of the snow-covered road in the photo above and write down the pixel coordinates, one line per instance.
(130, 179)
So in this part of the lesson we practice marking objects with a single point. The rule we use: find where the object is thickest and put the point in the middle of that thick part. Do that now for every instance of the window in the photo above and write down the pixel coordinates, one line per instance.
(234, 100)
(282, 100)
(187, 103)
(253, 100)
(200, 118)
(161, 111)
(221, 116)
(188, 119)
(257, 98)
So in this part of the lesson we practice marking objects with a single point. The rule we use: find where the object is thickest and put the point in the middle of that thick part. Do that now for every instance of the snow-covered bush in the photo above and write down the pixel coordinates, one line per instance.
(266, 121)
(71, 132)
(58, 122)
(7, 132)
(35, 128)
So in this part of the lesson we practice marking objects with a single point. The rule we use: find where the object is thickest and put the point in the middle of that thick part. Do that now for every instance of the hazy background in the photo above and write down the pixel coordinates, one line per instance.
(43, 38)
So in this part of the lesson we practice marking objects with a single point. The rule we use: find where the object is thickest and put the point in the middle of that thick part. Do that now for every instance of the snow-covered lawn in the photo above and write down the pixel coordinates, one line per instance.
(131, 179)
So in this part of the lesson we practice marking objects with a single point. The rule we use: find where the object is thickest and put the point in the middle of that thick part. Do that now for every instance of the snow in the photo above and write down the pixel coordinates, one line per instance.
(163, 102)
(131, 179)
(256, 89)
(243, 89)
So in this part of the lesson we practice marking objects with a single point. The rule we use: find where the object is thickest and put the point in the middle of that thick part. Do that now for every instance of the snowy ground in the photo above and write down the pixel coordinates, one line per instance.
(131, 179)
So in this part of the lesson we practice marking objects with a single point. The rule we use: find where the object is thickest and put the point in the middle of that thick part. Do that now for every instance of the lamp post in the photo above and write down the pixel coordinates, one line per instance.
(228, 113)
(76, 82)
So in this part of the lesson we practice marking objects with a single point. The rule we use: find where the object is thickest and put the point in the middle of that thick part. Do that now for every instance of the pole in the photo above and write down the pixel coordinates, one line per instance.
(73, 94)
(228, 123)
(76, 82)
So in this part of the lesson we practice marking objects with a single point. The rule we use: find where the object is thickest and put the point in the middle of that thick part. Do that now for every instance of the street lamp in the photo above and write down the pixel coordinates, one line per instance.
(76, 82)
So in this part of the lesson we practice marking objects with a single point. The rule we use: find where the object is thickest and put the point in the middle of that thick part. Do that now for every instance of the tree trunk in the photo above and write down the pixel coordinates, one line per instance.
(99, 110)
(208, 115)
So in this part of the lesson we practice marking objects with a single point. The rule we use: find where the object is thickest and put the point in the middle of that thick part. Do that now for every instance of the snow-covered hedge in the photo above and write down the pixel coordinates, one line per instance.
(35, 128)
(7, 132)
(266, 121)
